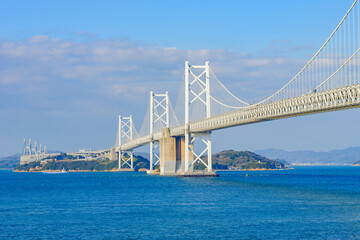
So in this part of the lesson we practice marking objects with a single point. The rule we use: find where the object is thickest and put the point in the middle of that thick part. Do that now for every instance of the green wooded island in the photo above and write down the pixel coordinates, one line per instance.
(225, 160)
(242, 160)
(69, 163)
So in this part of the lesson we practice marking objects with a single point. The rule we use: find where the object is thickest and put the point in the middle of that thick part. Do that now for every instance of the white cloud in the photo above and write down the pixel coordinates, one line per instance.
(102, 70)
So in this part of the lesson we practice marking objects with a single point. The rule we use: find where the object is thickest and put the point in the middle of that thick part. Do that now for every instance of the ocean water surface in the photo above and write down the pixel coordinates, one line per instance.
(303, 203)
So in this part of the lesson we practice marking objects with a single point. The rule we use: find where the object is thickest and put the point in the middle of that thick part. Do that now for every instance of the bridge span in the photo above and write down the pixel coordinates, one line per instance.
(330, 81)
(331, 100)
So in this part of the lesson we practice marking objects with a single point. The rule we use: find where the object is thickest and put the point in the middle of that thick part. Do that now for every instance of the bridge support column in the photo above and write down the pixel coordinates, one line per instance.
(112, 156)
(172, 154)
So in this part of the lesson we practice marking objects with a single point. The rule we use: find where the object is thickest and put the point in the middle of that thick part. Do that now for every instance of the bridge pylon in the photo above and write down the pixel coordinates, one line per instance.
(31, 152)
(126, 158)
(197, 89)
(159, 115)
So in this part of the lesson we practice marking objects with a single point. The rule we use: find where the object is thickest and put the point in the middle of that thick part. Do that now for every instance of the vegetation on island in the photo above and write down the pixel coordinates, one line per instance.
(241, 160)
(225, 160)
(70, 163)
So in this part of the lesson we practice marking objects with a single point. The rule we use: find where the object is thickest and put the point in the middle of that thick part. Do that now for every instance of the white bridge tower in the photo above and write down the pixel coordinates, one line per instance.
(126, 158)
(200, 93)
(159, 114)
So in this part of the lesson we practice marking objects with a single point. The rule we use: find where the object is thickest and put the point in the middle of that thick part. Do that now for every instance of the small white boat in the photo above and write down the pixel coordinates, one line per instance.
(50, 172)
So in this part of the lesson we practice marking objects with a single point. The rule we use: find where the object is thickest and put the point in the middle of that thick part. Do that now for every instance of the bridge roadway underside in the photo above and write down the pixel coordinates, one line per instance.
(325, 101)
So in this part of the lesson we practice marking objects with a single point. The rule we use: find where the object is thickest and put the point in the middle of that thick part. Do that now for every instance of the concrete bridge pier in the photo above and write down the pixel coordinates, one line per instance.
(172, 154)
(113, 155)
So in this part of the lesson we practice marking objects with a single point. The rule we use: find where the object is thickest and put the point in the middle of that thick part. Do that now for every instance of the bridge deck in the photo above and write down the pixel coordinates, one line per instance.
(331, 100)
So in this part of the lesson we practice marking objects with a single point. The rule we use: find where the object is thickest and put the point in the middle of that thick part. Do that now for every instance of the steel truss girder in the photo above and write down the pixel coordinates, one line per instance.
(324, 101)
(330, 100)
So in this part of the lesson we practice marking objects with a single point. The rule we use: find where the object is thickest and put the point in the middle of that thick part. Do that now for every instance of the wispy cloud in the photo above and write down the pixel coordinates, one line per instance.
(71, 85)
(42, 64)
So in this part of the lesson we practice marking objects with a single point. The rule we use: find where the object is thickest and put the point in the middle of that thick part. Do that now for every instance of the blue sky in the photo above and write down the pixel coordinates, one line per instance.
(68, 68)
(239, 25)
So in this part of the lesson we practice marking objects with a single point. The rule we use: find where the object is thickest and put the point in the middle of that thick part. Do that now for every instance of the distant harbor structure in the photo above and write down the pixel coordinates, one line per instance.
(32, 153)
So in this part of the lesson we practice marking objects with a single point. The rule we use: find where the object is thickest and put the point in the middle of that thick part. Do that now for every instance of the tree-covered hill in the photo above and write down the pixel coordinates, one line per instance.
(237, 160)
(225, 160)
(79, 165)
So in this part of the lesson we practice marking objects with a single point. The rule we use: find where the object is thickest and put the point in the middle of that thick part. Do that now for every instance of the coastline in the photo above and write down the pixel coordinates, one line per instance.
(321, 164)
(252, 170)
(219, 170)
(58, 171)
(116, 170)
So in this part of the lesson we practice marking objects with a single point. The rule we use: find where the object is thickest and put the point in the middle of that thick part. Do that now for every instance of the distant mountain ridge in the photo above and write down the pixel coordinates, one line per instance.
(341, 157)
(10, 162)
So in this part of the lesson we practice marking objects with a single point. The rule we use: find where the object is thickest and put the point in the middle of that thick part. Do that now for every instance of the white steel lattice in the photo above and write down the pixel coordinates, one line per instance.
(159, 119)
(201, 95)
(125, 133)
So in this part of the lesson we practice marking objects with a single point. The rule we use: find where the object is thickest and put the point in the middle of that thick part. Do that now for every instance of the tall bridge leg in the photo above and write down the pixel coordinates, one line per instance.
(151, 156)
(209, 153)
(154, 156)
(186, 152)
(120, 156)
(131, 160)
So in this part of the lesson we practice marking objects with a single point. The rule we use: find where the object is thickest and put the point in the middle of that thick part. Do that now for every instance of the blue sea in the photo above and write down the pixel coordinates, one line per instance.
(303, 203)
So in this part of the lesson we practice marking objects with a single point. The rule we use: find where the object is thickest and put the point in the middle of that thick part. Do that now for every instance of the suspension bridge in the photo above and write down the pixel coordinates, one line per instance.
(180, 137)
(328, 82)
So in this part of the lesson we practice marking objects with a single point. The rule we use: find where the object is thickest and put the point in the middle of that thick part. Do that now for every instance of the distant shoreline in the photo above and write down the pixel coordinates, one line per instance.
(321, 164)
(57, 171)
(219, 170)
(252, 170)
